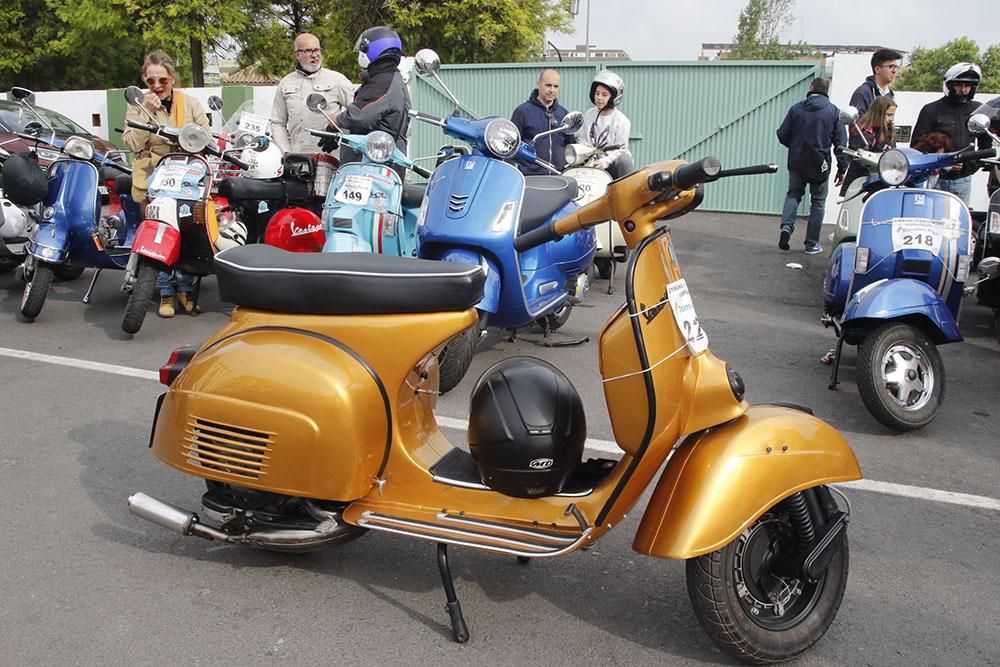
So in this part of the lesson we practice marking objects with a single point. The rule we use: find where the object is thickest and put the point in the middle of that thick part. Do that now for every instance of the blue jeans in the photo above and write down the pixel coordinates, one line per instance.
(960, 187)
(817, 206)
(171, 282)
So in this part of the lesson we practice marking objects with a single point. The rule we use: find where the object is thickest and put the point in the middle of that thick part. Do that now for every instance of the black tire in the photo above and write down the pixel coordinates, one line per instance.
(36, 289)
(731, 591)
(603, 265)
(456, 357)
(892, 350)
(556, 319)
(64, 272)
(142, 292)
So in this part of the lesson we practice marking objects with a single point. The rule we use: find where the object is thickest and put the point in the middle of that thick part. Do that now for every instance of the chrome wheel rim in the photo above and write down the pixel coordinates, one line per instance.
(907, 375)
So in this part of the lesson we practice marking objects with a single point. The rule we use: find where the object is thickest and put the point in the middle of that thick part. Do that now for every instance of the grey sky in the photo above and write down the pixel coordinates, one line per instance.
(675, 29)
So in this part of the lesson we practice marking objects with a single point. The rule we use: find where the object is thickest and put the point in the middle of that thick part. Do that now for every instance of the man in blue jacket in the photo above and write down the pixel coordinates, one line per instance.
(809, 130)
(542, 112)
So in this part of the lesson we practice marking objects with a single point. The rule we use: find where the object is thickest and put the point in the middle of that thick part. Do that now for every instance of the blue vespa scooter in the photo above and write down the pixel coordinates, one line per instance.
(896, 291)
(72, 233)
(477, 204)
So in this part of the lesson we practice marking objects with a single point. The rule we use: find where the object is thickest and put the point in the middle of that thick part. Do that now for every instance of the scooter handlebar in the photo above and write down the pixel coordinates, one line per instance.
(426, 117)
(421, 171)
(537, 237)
(142, 126)
(687, 176)
(984, 154)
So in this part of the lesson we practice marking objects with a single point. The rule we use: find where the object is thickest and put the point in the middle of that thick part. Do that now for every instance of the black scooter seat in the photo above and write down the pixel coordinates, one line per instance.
(543, 196)
(269, 278)
(238, 189)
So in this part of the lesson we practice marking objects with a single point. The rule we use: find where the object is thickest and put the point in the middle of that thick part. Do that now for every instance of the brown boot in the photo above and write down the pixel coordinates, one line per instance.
(186, 303)
(166, 306)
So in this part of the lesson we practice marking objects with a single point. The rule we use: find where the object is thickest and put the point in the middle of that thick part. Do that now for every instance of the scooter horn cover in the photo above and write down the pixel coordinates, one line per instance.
(24, 182)
(527, 427)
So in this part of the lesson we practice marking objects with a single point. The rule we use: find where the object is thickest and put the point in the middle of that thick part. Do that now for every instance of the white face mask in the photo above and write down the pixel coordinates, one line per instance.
(363, 61)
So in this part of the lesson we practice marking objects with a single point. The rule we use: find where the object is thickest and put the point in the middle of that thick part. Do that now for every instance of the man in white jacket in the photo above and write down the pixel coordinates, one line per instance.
(606, 127)
(291, 120)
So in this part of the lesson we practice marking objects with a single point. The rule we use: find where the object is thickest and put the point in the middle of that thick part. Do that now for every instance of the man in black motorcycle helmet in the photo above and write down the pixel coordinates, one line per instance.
(382, 102)
(950, 115)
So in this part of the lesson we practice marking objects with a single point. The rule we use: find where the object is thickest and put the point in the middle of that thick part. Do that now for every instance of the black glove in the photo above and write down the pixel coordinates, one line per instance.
(329, 144)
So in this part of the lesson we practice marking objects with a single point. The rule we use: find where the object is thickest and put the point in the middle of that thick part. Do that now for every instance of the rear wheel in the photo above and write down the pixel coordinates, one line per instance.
(750, 608)
(36, 289)
(142, 292)
(900, 376)
(64, 272)
(456, 357)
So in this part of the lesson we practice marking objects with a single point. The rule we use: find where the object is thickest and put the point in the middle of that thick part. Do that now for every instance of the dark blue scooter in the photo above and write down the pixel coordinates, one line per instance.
(477, 204)
(71, 233)
(896, 291)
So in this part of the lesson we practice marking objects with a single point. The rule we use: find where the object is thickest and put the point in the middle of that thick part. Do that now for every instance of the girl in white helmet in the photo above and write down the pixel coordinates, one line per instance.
(606, 127)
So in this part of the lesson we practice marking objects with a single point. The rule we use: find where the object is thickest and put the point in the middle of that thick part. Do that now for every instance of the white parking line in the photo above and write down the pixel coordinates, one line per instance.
(603, 446)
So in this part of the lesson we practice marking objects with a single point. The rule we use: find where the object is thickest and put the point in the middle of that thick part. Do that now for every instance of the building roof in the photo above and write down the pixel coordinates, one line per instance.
(251, 76)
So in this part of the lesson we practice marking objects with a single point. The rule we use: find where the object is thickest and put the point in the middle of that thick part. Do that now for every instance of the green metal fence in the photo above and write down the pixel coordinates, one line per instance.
(683, 110)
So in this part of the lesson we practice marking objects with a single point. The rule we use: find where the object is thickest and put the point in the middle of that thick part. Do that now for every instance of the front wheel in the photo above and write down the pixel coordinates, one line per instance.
(142, 292)
(750, 608)
(35, 290)
(900, 376)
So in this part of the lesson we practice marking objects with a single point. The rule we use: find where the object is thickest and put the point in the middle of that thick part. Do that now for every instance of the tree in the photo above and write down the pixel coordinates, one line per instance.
(760, 25)
(927, 66)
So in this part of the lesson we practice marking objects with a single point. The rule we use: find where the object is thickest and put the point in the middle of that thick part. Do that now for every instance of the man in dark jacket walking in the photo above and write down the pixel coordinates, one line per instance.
(885, 67)
(542, 112)
(809, 130)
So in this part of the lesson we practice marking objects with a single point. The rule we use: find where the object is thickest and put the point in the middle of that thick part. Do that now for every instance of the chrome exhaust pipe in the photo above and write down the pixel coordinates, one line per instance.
(172, 518)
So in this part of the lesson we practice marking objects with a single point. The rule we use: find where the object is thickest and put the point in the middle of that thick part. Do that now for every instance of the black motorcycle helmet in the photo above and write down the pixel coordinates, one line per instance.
(527, 427)
(24, 182)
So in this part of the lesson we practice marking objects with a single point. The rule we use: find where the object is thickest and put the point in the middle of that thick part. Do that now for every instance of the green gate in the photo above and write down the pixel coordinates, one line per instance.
(684, 110)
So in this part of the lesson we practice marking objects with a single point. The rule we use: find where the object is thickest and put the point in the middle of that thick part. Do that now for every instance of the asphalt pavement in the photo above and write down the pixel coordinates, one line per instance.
(85, 582)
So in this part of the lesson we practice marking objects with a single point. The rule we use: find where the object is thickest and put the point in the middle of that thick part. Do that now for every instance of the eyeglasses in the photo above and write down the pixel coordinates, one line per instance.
(893, 67)
(164, 80)
(308, 52)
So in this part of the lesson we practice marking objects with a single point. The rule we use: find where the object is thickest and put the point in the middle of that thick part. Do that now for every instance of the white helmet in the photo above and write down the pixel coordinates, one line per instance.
(267, 163)
(962, 73)
(232, 235)
(612, 82)
(13, 220)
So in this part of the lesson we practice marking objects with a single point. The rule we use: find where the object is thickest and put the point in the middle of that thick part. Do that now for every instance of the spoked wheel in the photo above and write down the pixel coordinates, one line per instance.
(900, 376)
(753, 610)
(456, 357)
(142, 291)
(35, 290)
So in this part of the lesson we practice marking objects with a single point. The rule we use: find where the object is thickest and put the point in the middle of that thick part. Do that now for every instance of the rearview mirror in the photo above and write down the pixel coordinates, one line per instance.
(22, 93)
(849, 115)
(215, 103)
(988, 267)
(572, 122)
(33, 128)
(427, 61)
(979, 123)
(316, 102)
(133, 95)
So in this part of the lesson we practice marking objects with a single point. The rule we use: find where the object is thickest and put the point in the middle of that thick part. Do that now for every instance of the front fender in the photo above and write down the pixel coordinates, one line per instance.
(50, 241)
(491, 289)
(158, 240)
(903, 298)
(720, 481)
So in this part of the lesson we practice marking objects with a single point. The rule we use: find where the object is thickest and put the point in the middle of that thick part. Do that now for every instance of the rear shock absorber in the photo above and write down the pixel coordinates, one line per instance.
(800, 518)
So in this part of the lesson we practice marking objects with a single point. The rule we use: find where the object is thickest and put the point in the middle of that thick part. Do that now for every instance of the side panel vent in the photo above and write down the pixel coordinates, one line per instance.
(227, 449)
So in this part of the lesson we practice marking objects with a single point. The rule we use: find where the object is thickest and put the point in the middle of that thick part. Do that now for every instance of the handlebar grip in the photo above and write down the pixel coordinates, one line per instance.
(142, 126)
(426, 117)
(536, 237)
(692, 174)
(984, 154)
(749, 171)
(238, 162)
(421, 171)
(660, 181)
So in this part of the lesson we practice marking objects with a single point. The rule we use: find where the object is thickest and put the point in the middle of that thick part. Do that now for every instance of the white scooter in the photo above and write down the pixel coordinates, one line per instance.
(593, 183)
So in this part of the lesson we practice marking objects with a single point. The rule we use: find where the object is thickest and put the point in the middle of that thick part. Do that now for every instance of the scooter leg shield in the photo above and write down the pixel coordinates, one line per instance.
(720, 481)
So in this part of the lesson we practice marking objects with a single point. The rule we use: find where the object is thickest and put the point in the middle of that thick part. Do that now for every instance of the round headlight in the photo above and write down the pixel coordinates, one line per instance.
(893, 167)
(193, 138)
(570, 154)
(79, 147)
(379, 146)
(502, 138)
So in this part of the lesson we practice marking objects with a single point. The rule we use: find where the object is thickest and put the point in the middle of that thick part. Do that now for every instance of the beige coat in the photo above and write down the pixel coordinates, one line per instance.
(149, 148)
(291, 120)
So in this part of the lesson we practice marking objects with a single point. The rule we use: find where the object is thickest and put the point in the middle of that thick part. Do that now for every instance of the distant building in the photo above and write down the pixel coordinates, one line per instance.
(579, 54)
(250, 76)
(722, 51)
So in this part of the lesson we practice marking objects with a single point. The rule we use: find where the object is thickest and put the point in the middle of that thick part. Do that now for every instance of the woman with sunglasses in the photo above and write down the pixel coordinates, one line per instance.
(172, 108)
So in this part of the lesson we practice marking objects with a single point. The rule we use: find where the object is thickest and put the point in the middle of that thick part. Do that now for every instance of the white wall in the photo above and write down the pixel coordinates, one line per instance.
(79, 106)
(849, 70)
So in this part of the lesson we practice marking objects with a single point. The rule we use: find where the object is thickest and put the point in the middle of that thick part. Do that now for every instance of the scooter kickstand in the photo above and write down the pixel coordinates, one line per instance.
(459, 631)
(90, 290)
(836, 364)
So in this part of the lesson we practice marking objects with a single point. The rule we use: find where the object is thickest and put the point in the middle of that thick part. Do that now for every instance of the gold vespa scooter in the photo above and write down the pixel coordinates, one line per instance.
(311, 416)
